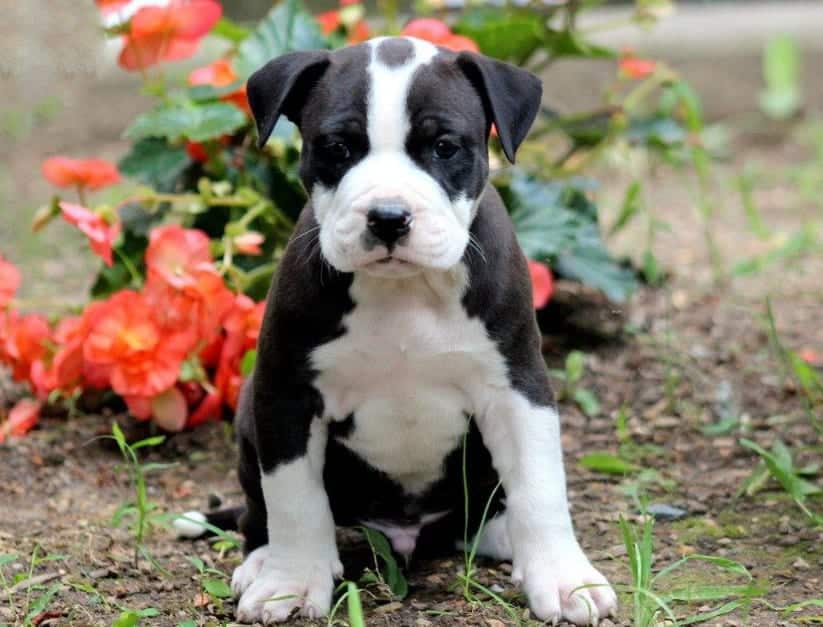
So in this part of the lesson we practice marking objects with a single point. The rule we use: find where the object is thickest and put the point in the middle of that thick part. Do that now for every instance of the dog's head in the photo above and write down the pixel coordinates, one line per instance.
(395, 135)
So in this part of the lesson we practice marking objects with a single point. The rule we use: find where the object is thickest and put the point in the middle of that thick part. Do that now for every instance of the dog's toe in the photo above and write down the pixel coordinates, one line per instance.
(277, 592)
(245, 574)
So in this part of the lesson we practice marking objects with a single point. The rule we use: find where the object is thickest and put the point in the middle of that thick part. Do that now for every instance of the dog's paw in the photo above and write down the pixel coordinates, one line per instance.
(245, 574)
(566, 589)
(272, 589)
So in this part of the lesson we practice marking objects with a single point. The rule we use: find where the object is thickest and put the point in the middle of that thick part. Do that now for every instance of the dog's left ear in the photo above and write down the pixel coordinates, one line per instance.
(511, 96)
(280, 87)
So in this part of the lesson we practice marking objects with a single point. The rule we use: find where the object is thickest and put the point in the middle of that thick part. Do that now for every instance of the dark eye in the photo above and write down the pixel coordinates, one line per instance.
(445, 148)
(336, 151)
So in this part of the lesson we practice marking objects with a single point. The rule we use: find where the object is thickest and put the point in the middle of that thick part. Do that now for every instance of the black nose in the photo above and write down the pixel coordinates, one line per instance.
(389, 221)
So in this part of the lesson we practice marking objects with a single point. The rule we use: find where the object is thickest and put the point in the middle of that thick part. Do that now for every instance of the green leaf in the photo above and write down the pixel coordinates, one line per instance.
(248, 362)
(629, 209)
(199, 564)
(504, 33)
(154, 161)
(120, 513)
(286, 28)
(391, 573)
(354, 607)
(217, 588)
(42, 602)
(149, 612)
(702, 617)
(152, 441)
(232, 31)
(556, 222)
(575, 363)
(607, 463)
(781, 71)
(656, 131)
(587, 401)
(127, 618)
(568, 43)
(197, 122)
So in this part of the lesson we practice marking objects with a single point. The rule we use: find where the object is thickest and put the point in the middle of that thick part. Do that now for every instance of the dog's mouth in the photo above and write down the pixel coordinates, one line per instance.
(390, 259)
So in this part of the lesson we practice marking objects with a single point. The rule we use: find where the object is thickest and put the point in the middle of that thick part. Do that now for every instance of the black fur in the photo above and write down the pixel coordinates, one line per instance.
(325, 94)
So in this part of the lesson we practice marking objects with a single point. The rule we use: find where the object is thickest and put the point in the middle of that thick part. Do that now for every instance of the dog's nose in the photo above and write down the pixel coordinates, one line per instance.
(389, 221)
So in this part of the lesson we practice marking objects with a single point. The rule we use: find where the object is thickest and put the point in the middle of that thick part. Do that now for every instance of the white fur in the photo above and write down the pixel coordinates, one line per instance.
(404, 367)
(524, 441)
(301, 561)
(439, 232)
(494, 541)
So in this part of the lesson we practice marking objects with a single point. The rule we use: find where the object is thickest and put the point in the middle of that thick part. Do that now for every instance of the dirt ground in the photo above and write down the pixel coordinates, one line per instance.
(678, 358)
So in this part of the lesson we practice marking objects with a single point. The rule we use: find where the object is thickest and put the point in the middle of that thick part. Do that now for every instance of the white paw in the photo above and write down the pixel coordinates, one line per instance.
(567, 588)
(272, 589)
(245, 574)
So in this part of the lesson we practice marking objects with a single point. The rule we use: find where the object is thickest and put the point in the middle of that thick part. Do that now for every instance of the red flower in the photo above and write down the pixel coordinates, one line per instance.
(427, 28)
(9, 281)
(111, 5)
(242, 328)
(127, 338)
(210, 408)
(438, 33)
(249, 243)
(542, 283)
(86, 173)
(634, 67)
(458, 43)
(101, 234)
(167, 33)
(329, 21)
(220, 74)
(22, 418)
(197, 152)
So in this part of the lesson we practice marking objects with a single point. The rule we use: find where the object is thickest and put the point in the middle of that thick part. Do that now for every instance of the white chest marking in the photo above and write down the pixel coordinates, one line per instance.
(410, 367)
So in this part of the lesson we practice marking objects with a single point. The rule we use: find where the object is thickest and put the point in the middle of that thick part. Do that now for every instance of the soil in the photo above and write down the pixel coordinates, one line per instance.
(678, 359)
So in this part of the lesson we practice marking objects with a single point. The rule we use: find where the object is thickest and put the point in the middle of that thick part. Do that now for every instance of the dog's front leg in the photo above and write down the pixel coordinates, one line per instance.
(559, 581)
(295, 571)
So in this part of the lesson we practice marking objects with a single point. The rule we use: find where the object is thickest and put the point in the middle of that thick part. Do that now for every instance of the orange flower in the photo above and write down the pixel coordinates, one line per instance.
(167, 33)
(249, 243)
(542, 283)
(634, 67)
(9, 281)
(190, 296)
(22, 418)
(210, 408)
(220, 74)
(127, 339)
(438, 33)
(84, 173)
(101, 234)
(24, 342)
(174, 254)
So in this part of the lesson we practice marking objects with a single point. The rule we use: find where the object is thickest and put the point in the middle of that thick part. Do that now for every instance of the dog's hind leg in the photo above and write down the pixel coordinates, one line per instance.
(492, 541)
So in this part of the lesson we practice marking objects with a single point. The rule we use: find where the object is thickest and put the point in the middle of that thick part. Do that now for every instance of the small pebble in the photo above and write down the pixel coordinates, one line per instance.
(801, 564)
(663, 511)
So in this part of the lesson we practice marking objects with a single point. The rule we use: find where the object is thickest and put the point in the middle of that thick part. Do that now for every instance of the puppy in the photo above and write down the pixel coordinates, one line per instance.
(400, 327)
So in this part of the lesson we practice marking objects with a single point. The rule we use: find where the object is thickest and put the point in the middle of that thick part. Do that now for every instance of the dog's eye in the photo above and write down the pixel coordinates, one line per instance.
(337, 151)
(445, 148)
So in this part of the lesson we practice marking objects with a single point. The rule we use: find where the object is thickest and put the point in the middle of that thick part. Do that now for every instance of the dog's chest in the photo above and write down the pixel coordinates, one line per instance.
(406, 369)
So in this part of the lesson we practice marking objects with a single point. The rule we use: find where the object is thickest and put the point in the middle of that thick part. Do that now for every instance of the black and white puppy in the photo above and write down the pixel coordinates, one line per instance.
(401, 324)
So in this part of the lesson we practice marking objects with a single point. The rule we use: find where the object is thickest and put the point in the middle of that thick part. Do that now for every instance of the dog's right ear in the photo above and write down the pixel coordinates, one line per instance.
(280, 87)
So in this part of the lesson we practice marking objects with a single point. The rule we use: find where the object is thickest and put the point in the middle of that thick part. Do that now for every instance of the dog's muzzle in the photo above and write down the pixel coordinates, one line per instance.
(388, 221)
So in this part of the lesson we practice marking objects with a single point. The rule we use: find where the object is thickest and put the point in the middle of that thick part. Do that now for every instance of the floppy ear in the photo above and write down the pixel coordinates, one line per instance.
(510, 95)
(280, 87)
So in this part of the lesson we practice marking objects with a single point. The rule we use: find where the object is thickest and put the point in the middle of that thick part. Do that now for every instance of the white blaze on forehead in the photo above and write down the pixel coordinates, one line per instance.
(388, 120)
